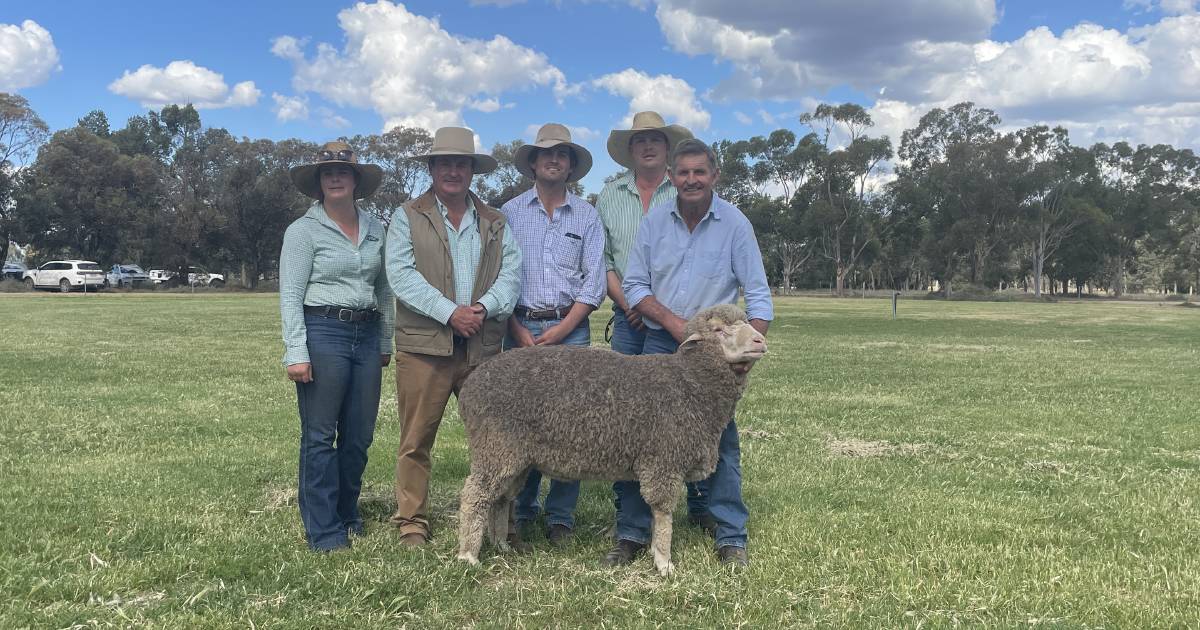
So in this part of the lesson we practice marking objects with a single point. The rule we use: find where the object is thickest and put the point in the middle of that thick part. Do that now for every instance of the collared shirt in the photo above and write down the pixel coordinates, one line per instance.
(691, 271)
(466, 248)
(620, 208)
(320, 266)
(561, 257)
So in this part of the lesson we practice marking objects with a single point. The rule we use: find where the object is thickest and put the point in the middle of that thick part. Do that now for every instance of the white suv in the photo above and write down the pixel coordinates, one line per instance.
(65, 275)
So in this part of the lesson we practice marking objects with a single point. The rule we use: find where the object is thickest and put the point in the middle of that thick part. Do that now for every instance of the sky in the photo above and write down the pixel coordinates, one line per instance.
(1107, 70)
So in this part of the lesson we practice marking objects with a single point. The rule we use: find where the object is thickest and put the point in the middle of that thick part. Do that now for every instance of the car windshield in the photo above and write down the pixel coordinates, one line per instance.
(132, 269)
(89, 266)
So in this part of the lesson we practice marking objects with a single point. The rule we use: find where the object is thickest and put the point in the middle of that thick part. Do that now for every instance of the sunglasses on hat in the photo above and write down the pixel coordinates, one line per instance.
(326, 155)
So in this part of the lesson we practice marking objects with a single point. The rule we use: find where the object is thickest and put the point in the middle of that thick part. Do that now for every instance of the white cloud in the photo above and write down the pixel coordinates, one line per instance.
(1168, 7)
(767, 117)
(27, 55)
(485, 105)
(289, 107)
(742, 118)
(331, 119)
(413, 72)
(183, 82)
(674, 98)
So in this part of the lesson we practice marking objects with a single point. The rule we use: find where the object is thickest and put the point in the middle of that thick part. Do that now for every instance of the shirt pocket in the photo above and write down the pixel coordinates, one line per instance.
(567, 251)
(714, 262)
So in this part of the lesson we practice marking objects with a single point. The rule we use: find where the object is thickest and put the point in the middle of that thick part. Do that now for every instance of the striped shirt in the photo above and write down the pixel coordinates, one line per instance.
(690, 271)
(466, 248)
(561, 258)
(320, 266)
(620, 208)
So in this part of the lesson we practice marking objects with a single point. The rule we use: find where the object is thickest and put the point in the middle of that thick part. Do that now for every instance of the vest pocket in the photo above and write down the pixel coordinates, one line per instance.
(419, 331)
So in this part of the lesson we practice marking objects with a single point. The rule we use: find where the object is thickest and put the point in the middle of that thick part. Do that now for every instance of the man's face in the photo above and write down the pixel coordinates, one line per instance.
(451, 175)
(648, 149)
(694, 177)
(553, 165)
(337, 182)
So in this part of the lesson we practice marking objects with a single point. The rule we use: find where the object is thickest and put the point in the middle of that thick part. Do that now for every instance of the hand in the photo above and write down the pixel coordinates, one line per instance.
(635, 320)
(553, 335)
(300, 372)
(520, 334)
(466, 320)
(385, 359)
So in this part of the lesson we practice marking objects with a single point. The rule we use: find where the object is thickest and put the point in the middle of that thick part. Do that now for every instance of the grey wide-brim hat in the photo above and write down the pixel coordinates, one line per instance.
(307, 179)
(455, 141)
(552, 135)
(618, 140)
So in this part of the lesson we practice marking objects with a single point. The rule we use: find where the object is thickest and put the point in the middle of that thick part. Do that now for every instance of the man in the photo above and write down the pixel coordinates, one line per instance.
(689, 254)
(455, 271)
(643, 150)
(562, 282)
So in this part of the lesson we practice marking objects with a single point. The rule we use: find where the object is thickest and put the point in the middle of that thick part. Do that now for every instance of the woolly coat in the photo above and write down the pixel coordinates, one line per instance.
(591, 413)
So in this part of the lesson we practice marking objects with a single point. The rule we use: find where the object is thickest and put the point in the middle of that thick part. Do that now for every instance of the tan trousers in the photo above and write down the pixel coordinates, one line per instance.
(423, 387)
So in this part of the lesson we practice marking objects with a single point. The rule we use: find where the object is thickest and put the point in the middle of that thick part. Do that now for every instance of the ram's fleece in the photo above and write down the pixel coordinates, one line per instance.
(591, 413)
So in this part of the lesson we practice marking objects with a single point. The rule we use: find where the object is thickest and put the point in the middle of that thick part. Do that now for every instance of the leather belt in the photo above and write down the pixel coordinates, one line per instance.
(343, 314)
(545, 313)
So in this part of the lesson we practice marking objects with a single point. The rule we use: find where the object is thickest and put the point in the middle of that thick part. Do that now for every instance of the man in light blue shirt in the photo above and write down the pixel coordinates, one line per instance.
(689, 254)
(455, 269)
(562, 282)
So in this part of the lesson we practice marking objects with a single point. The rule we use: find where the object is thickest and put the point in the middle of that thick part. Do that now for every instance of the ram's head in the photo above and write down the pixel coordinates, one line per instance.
(727, 324)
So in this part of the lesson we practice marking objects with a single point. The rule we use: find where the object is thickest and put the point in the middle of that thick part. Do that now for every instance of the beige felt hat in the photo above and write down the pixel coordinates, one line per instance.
(459, 141)
(552, 135)
(618, 140)
(306, 178)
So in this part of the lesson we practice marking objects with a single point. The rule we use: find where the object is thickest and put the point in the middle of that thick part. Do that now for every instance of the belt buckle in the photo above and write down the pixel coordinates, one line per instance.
(349, 315)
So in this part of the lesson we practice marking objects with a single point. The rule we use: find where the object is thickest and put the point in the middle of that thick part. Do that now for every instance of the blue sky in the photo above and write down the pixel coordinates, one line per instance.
(1106, 69)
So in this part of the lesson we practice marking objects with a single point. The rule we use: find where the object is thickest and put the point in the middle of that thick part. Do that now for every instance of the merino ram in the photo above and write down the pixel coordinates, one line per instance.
(591, 413)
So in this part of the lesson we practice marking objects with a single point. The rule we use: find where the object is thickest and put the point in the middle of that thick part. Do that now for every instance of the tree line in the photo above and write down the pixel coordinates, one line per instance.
(963, 205)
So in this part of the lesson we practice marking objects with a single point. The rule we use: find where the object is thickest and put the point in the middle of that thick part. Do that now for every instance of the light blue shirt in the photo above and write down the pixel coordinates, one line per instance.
(562, 259)
(690, 271)
(320, 266)
(415, 292)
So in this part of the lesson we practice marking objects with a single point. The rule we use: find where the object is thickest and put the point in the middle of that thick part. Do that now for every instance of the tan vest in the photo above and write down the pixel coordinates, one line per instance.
(431, 250)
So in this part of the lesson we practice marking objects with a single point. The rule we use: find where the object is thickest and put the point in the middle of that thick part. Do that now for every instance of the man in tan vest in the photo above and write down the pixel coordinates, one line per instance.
(456, 273)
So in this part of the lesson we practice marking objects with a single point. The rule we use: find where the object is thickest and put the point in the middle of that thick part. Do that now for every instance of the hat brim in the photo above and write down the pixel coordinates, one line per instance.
(583, 159)
(481, 163)
(307, 180)
(618, 141)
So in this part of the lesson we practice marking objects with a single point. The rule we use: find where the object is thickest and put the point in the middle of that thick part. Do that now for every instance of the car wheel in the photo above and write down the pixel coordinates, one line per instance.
(29, 284)
(64, 286)
(216, 284)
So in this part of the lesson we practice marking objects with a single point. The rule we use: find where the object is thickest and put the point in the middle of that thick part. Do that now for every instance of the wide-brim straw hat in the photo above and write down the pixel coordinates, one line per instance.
(549, 136)
(618, 140)
(455, 141)
(307, 177)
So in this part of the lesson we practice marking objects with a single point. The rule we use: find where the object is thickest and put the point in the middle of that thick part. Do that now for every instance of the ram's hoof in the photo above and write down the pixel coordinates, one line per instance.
(469, 558)
(666, 569)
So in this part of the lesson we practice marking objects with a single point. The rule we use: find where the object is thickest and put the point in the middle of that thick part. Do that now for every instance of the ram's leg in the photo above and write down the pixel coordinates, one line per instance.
(473, 507)
(502, 516)
(661, 494)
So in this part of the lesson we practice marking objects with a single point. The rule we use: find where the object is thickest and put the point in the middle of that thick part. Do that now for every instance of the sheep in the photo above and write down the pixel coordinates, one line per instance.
(591, 413)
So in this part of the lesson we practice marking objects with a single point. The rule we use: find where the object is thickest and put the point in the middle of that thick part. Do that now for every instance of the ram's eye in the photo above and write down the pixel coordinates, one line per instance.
(722, 332)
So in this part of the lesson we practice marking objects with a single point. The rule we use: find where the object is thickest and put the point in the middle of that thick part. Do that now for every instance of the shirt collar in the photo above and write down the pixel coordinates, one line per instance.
(535, 202)
(714, 209)
(317, 211)
(629, 181)
(446, 211)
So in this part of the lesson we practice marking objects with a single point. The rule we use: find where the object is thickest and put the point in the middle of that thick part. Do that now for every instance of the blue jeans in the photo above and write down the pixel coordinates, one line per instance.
(563, 495)
(720, 494)
(337, 423)
(625, 339)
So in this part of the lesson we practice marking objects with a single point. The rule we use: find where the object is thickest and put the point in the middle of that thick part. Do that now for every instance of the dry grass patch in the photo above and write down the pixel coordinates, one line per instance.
(853, 447)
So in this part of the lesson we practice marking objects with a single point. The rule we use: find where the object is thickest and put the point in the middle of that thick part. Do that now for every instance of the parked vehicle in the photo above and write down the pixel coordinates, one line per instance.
(65, 275)
(14, 271)
(197, 276)
(127, 275)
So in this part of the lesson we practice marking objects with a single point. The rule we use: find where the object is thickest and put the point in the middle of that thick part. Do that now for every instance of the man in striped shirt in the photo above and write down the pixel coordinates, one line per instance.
(562, 282)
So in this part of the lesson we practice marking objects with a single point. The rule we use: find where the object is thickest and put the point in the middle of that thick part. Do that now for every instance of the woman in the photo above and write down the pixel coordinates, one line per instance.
(337, 313)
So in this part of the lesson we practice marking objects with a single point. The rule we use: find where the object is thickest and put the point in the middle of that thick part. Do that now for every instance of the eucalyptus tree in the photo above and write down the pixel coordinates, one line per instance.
(22, 131)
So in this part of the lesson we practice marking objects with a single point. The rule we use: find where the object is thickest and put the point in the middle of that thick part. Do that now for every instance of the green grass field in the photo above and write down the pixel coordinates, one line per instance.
(1000, 464)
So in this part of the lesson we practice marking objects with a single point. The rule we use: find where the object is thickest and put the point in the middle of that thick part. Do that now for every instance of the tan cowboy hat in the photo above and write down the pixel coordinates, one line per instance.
(552, 135)
(618, 140)
(459, 141)
(306, 177)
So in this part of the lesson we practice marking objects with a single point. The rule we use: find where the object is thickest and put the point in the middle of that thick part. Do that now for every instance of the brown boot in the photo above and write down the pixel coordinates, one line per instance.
(732, 556)
(559, 535)
(414, 539)
(623, 553)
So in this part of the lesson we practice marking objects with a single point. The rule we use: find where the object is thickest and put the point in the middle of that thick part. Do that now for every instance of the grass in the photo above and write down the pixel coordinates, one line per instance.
(1001, 464)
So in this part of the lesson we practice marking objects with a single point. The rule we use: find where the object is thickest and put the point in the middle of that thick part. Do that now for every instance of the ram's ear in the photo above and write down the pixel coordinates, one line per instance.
(690, 342)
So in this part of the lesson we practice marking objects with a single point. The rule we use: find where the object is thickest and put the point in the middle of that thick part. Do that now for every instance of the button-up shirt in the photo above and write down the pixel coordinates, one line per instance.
(620, 208)
(466, 248)
(561, 257)
(690, 271)
(320, 266)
